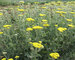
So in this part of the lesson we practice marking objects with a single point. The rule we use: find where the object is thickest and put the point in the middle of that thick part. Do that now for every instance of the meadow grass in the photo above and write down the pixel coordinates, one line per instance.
(38, 31)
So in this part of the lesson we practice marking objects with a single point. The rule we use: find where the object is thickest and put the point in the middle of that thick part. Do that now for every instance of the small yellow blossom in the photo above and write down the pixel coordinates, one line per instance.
(43, 7)
(54, 55)
(17, 57)
(21, 1)
(30, 19)
(37, 27)
(59, 9)
(37, 45)
(20, 10)
(44, 20)
(3, 59)
(61, 12)
(69, 20)
(40, 42)
(72, 12)
(61, 29)
(10, 59)
(1, 32)
(71, 25)
(29, 29)
(36, 2)
(46, 25)
(7, 26)
(1, 13)
(30, 42)
(56, 25)
(42, 14)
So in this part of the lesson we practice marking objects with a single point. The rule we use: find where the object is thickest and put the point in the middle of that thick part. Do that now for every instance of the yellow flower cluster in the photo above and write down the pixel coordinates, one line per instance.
(1, 32)
(37, 45)
(17, 57)
(46, 25)
(20, 10)
(71, 25)
(1, 13)
(29, 29)
(7, 26)
(69, 19)
(42, 14)
(10, 59)
(37, 27)
(54, 55)
(3, 59)
(61, 29)
(62, 12)
(30, 19)
(21, 1)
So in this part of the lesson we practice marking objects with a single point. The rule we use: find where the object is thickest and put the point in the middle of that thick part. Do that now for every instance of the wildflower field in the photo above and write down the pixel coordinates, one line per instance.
(38, 31)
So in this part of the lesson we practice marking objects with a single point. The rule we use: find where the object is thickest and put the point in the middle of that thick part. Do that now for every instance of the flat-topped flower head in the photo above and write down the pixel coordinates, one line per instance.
(10, 59)
(42, 14)
(1, 13)
(37, 45)
(69, 20)
(37, 27)
(21, 10)
(1, 32)
(21, 1)
(17, 57)
(54, 55)
(61, 29)
(30, 19)
(3, 59)
(7, 26)
(71, 25)
(29, 29)
(46, 25)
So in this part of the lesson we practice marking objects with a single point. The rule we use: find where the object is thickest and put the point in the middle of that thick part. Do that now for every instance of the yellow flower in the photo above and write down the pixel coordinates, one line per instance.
(37, 45)
(3, 59)
(1, 32)
(21, 10)
(72, 12)
(17, 57)
(69, 19)
(37, 27)
(36, 2)
(46, 25)
(59, 9)
(30, 42)
(61, 29)
(43, 7)
(29, 29)
(40, 42)
(54, 55)
(21, 1)
(71, 25)
(7, 26)
(56, 25)
(30, 19)
(61, 12)
(1, 13)
(11, 59)
(44, 20)
(42, 14)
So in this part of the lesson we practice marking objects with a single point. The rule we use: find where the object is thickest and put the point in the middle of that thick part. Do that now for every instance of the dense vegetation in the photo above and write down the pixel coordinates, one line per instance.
(38, 31)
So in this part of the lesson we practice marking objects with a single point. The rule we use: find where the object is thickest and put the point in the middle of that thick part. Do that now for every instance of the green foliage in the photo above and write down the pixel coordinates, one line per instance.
(15, 39)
